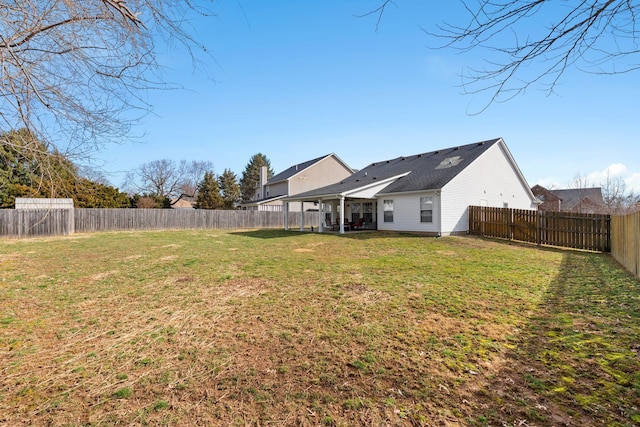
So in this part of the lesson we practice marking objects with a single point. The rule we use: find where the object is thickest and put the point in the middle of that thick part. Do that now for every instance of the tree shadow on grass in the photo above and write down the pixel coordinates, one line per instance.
(267, 233)
(576, 362)
(277, 233)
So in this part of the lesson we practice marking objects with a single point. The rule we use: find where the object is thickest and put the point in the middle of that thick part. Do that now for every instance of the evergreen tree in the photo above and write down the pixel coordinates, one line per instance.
(50, 175)
(230, 189)
(251, 176)
(90, 194)
(208, 193)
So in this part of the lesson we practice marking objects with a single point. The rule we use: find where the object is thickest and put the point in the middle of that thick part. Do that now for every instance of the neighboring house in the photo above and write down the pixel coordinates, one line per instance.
(182, 203)
(297, 179)
(581, 200)
(428, 192)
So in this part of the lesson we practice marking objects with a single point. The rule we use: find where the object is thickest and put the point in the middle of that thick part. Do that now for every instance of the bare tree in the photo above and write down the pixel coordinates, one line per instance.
(168, 179)
(535, 42)
(615, 195)
(581, 184)
(192, 173)
(75, 72)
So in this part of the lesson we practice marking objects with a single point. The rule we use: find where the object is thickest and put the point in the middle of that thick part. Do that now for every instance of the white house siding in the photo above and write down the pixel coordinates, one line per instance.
(490, 180)
(406, 212)
(277, 189)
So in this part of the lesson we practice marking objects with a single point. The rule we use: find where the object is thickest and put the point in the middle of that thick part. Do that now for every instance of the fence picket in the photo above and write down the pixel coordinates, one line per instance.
(564, 229)
(625, 241)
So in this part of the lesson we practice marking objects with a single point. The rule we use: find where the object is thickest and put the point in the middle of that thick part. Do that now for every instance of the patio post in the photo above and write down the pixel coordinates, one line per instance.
(286, 216)
(301, 215)
(342, 215)
(320, 215)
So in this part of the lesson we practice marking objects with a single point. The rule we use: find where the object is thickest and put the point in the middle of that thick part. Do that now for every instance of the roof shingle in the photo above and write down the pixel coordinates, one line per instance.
(426, 171)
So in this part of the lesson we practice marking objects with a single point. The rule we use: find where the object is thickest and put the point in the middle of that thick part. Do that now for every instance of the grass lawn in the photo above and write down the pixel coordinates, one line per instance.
(261, 328)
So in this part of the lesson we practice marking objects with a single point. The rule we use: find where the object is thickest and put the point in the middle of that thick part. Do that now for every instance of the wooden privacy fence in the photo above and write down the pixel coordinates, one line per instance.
(36, 222)
(28, 223)
(625, 241)
(564, 229)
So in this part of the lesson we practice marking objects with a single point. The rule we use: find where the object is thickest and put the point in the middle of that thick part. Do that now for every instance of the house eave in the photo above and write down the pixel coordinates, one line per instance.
(263, 201)
(426, 190)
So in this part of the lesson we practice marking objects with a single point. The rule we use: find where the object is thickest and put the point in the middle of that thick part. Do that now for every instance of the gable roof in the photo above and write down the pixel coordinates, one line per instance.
(572, 197)
(426, 171)
(295, 169)
(544, 195)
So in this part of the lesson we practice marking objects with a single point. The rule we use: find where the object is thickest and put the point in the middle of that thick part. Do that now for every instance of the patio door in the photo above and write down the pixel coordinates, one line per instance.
(355, 212)
(367, 212)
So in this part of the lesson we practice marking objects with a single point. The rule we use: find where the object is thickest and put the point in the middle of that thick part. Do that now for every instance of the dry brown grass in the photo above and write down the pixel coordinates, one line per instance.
(274, 328)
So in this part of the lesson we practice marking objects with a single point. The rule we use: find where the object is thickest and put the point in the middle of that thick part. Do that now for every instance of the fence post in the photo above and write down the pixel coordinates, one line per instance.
(538, 228)
(607, 228)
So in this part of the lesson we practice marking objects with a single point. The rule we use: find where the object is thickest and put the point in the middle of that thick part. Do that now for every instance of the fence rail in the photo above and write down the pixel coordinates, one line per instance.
(625, 241)
(564, 229)
(32, 223)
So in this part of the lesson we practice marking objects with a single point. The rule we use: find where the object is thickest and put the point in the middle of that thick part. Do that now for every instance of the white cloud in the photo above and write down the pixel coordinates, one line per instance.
(613, 171)
(633, 182)
(599, 178)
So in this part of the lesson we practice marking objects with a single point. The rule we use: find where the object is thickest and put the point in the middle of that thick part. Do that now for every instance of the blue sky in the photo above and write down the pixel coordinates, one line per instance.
(296, 80)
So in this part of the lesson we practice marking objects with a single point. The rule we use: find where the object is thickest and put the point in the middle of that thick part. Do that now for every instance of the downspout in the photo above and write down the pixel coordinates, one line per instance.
(439, 194)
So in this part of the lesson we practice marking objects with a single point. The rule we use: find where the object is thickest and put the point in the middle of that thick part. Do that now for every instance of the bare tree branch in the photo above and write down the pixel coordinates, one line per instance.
(533, 43)
(166, 178)
(379, 11)
(75, 73)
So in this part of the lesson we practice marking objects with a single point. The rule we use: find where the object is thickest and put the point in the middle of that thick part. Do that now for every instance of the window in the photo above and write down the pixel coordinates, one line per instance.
(388, 210)
(426, 209)
(355, 212)
(367, 212)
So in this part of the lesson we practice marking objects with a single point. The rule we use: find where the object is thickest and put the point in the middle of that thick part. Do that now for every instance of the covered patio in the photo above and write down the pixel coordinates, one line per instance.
(345, 206)
(359, 214)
